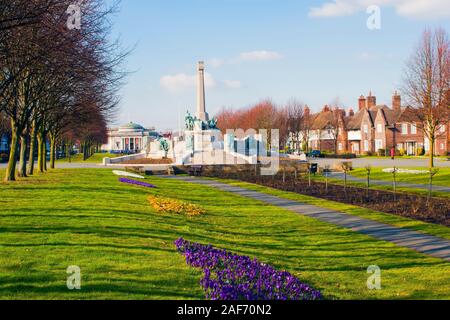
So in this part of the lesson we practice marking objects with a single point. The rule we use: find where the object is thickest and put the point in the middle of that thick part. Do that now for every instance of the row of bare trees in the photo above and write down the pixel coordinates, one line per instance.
(58, 84)
(293, 120)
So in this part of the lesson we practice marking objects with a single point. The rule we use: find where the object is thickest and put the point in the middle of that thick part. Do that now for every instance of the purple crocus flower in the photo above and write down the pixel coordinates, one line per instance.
(136, 183)
(227, 276)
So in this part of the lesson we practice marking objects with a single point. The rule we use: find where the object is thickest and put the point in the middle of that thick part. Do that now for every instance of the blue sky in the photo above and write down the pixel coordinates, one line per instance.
(314, 51)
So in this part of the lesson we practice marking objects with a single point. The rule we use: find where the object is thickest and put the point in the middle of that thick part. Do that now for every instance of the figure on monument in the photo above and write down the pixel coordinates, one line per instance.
(212, 124)
(164, 146)
(190, 121)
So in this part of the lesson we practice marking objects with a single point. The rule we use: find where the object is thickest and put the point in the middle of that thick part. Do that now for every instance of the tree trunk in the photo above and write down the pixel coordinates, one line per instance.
(23, 160)
(83, 149)
(52, 150)
(432, 153)
(69, 152)
(11, 168)
(44, 147)
(32, 149)
(41, 151)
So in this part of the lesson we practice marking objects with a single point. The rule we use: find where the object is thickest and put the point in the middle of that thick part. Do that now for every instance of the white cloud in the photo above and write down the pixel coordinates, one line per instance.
(333, 9)
(261, 55)
(181, 81)
(216, 63)
(232, 84)
(420, 9)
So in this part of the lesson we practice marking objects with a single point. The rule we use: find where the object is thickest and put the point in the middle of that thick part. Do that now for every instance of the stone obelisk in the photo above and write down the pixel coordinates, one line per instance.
(201, 106)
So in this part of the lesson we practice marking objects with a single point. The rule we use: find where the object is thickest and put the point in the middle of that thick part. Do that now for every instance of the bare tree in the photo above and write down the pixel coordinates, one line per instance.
(336, 122)
(306, 127)
(295, 119)
(427, 84)
(50, 75)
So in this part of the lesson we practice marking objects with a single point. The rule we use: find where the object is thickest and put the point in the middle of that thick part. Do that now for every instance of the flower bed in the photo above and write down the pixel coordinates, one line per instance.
(227, 276)
(137, 183)
(174, 206)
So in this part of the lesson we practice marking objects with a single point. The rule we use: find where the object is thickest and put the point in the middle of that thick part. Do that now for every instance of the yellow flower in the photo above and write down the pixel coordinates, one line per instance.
(175, 206)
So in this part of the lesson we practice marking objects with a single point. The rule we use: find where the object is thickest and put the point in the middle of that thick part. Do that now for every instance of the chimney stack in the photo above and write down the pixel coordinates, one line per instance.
(396, 102)
(371, 101)
(362, 103)
(307, 111)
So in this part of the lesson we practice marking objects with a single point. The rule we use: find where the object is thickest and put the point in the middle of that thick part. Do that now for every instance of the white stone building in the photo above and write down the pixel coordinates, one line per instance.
(129, 138)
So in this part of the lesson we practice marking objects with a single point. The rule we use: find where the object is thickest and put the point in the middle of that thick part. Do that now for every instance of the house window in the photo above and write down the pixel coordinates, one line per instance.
(340, 146)
(413, 129)
(442, 129)
(404, 128)
(442, 146)
(366, 145)
(378, 144)
(366, 129)
(380, 128)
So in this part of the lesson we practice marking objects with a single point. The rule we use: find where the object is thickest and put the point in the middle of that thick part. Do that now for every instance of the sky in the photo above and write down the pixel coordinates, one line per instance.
(313, 51)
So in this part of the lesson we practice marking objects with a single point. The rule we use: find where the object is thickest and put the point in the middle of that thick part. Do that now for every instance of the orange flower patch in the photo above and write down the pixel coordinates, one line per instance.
(174, 206)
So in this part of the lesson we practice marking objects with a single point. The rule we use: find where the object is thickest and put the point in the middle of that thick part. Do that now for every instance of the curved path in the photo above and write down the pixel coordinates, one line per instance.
(421, 242)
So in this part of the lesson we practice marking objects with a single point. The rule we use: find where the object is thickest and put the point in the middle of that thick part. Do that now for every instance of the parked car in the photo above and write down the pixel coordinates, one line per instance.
(315, 154)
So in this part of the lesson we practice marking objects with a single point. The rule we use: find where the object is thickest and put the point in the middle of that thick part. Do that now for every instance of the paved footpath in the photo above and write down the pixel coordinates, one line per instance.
(421, 242)
(339, 175)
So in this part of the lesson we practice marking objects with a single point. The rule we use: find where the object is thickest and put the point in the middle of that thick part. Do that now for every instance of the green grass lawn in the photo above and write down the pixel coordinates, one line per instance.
(125, 250)
(442, 178)
(95, 158)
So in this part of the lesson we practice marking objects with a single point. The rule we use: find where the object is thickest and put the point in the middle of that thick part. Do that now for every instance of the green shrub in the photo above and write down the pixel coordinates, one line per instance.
(402, 152)
(420, 151)
(381, 152)
(339, 156)
(4, 157)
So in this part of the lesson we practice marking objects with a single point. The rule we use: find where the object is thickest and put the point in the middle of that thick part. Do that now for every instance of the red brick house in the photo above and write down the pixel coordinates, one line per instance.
(329, 131)
(374, 129)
